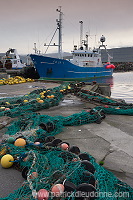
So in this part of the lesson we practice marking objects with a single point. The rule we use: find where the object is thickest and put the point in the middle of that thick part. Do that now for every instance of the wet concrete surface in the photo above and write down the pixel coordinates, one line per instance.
(111, 140)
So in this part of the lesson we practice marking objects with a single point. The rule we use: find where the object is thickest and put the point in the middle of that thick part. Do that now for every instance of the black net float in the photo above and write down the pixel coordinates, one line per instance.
(89, 178)
(88, 166)
(84, 156)
(74, 149)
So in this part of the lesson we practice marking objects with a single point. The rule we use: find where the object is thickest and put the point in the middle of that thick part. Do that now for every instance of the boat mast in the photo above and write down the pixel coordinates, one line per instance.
(59, 27)
(81, 34)
(59, 24)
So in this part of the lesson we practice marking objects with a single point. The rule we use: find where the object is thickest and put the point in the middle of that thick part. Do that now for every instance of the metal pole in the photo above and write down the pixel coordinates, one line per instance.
(59, 23)
(81, 32)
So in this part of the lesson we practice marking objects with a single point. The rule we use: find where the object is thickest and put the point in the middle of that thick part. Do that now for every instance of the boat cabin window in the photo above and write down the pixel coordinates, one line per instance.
(76, 54)
(85, 55)
(90, 55)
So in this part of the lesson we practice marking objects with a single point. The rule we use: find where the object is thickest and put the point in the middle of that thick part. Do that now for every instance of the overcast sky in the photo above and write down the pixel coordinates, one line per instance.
(24, 22)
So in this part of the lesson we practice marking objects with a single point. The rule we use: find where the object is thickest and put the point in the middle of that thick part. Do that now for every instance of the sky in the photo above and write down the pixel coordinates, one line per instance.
(25, 22)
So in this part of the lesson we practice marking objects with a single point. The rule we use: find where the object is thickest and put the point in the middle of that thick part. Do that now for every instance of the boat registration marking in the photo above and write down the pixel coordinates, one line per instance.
(47, 63)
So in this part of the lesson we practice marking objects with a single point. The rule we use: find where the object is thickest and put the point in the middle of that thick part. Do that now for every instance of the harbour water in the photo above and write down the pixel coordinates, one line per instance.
(121, 85)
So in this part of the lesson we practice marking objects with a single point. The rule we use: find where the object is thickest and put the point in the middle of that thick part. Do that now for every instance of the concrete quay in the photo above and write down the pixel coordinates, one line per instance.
(110, 141)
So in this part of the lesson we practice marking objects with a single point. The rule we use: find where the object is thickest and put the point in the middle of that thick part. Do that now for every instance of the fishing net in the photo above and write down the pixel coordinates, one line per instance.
(46, 161)
(15, 80)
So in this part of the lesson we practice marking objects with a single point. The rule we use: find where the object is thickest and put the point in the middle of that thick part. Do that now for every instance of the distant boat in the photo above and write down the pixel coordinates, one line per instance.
(11, 60)
(85, 64)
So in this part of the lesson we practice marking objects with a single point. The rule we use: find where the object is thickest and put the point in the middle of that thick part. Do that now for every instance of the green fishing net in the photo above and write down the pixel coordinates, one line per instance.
(43, 160)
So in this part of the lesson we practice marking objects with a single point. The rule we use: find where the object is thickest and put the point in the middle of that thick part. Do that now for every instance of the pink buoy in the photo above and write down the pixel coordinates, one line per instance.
(88, 110)
(106, 106)
(42, 194)
(64, 146)
(36, 143)
(7, 109)
(33, 175)
(57, 190)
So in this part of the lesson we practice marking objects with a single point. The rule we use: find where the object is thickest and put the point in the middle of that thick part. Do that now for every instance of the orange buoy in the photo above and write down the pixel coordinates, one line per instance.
(20, 142)
(26, 158)
(40, 101)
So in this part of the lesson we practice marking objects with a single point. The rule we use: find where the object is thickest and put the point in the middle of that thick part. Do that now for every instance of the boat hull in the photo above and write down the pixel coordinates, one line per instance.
(59, 69)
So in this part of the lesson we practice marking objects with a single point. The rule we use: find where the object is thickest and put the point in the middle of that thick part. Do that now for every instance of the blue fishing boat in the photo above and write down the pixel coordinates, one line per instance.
(85, 63)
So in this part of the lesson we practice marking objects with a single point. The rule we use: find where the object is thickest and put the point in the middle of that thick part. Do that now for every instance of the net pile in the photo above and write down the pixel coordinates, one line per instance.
(46, 161)
(15, 80)
(110, 106)
(35, 101)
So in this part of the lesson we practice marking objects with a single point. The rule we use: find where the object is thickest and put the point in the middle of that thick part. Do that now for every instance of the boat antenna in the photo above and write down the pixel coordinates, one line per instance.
(102, 40)
(85, 42)
(35, 49)
(59, 26)
(81, 34)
